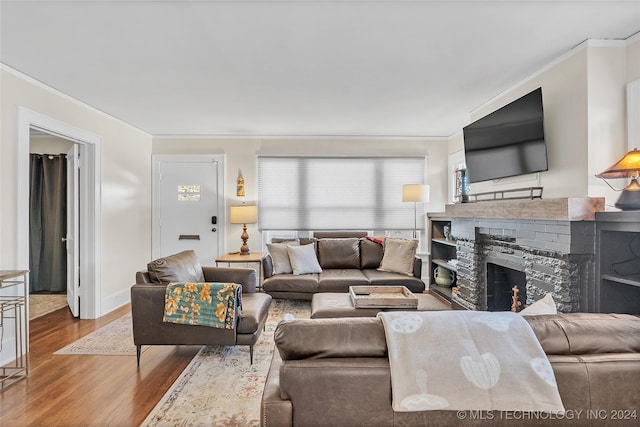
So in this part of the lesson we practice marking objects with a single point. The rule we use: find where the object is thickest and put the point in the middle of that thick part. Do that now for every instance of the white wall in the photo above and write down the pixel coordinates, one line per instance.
(241, 153)
(585, 119)
(633, 59)
(564, 93)
(606, 70)
(48, 144)
(633, 93)
(126, 181)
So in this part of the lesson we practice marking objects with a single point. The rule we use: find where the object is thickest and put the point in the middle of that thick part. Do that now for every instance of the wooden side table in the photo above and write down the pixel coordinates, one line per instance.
(236, 258)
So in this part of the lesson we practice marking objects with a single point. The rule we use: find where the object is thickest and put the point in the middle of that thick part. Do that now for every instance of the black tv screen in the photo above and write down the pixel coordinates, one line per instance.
(508, 142)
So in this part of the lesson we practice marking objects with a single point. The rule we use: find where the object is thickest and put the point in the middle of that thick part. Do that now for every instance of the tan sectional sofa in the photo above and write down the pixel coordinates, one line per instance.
(335, 372)
(345, 262)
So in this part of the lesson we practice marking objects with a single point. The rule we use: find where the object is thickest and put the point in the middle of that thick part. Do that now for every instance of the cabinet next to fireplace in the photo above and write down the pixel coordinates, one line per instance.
(617, 287)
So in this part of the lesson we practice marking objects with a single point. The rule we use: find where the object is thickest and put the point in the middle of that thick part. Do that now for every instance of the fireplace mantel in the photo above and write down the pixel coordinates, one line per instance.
(562, 209)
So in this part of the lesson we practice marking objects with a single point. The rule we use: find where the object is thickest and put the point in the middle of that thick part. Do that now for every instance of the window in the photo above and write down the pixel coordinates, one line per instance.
(189, 193)
(337, 193)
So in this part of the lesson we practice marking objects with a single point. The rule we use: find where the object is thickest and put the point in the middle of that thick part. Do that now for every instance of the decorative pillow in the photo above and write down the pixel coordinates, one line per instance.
(339, 253)
(370, 253)
(280, 256)
(307, 241)
(181, 267)
(303, 259)
(285, 240)
(399, 255)
(545, 305)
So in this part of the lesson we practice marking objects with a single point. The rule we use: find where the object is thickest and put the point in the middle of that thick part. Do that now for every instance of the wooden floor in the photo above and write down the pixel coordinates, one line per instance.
(84, 390)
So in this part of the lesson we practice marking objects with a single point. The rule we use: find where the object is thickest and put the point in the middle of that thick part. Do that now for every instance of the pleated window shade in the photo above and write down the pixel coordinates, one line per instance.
(337, 193)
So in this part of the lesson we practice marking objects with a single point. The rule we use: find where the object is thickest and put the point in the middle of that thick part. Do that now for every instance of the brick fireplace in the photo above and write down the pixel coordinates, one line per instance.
(549, 251)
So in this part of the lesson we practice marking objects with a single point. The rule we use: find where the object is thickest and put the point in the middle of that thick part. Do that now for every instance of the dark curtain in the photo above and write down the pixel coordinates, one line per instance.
(48, 223)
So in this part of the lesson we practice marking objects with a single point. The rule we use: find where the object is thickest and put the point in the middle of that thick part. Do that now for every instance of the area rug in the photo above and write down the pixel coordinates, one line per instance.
(41, 304)
(113, 339)
(219, 386)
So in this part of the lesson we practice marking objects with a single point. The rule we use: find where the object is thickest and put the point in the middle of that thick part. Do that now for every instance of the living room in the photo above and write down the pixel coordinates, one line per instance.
(587, 125)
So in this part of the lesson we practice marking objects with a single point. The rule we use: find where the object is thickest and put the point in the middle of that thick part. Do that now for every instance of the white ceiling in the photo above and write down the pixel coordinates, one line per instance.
(297, 68)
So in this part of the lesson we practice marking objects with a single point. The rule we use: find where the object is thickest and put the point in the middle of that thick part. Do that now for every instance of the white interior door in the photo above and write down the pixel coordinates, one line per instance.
(187, 209)
(72, 238)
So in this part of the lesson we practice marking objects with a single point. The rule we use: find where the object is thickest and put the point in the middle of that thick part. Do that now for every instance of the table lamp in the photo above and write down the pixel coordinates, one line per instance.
(627, 167)
(415, 193)
(244, 214)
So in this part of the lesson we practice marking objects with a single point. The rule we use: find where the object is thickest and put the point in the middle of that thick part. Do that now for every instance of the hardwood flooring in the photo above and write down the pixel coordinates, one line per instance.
(86, 390)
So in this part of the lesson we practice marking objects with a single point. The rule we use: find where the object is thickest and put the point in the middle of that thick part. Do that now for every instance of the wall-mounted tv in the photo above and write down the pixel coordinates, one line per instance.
(508, 142)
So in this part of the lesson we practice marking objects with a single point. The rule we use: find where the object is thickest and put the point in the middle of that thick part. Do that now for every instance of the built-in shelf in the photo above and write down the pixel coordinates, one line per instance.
(444, 263)
(441, 291)
(442, 250)
(444, 241)
(632, 280)
(617, 288)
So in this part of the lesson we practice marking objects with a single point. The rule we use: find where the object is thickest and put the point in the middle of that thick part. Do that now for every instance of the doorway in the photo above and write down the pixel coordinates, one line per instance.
(52, 224)
(88, 239)
(188, 206)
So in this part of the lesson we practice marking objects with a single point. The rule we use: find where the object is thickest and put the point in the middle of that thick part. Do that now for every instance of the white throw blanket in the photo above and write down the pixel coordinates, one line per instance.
(467, 360)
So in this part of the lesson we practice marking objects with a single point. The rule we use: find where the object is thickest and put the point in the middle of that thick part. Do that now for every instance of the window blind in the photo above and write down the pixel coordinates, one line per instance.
(337, 193)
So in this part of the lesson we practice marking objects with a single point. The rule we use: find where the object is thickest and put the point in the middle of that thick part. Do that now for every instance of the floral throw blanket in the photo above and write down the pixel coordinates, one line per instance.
(206, 304)
(467, 360)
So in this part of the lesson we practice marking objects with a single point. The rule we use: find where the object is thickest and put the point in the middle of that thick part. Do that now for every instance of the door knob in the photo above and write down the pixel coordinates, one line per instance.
(63, 239)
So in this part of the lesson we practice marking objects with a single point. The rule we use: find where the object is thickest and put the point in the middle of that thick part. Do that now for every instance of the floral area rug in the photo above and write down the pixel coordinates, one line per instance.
(219, 387)
(113, 339)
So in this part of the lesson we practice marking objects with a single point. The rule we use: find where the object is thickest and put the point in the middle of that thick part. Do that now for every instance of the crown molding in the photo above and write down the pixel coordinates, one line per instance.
(573, 51)
(254, 137)
(65, 96)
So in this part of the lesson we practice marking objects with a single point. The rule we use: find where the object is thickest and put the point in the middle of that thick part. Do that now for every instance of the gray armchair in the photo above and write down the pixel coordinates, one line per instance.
(147, 305)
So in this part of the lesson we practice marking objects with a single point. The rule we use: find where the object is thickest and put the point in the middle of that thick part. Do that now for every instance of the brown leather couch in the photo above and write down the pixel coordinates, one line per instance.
(147, 305)
(335, 372)
(345, 261)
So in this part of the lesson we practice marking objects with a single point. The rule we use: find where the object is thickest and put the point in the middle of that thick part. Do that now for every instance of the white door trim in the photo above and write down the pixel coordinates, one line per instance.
(90, 202)
(155, 172)
(73, 230)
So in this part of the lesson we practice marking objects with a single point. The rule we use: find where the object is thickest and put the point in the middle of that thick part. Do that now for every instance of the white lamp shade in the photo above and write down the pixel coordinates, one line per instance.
(243, 214)
(415, 193)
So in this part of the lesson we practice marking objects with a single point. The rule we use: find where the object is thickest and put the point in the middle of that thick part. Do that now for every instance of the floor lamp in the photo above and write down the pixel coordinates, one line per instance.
(415, 193)
(244, 214)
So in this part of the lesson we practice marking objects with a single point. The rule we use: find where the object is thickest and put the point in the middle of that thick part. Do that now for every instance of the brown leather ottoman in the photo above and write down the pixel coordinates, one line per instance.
(334, 305)
(326, 305)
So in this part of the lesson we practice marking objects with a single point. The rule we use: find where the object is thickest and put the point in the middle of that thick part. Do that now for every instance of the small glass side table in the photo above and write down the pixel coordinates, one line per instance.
(13, 308)
(236, 258)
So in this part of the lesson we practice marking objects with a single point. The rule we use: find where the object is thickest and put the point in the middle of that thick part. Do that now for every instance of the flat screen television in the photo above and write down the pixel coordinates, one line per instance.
(508, 142)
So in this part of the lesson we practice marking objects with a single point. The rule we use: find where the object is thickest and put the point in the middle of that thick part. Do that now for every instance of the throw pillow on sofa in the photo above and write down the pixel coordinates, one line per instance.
(339, 253)
(303, 259)
(280, 256)
(545, 305)
(371, 252)
(399, 255)
(181, 267)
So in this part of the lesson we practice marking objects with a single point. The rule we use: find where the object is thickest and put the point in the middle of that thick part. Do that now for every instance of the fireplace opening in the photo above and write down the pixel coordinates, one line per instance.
(500, 283)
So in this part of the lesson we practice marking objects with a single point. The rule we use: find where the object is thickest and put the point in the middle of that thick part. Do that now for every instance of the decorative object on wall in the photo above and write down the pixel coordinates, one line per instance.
(462, 185)
(446, 230)
(415, 193)
(516, 304)
(244, 214)
(240, 184)
(627, 167)
(444, 277)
